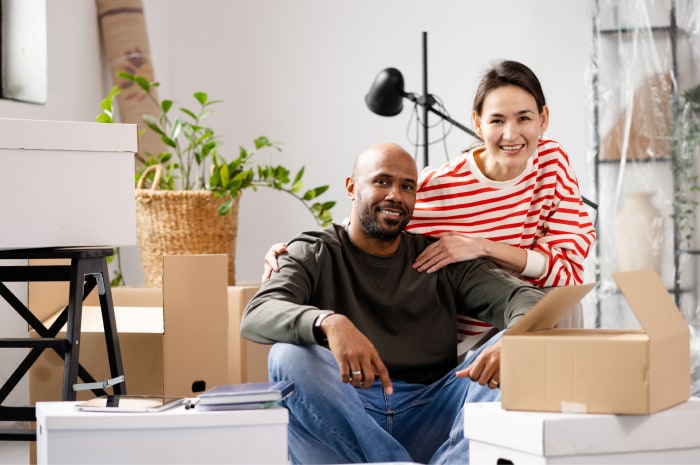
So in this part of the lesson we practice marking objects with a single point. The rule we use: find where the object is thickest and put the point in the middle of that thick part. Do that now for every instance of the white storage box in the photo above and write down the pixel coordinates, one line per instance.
(502, 436)
(178, 435)
(67, 184)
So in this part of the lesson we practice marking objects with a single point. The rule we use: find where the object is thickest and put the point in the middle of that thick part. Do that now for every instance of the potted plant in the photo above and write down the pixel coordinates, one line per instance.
(685, 177)
(187, 196)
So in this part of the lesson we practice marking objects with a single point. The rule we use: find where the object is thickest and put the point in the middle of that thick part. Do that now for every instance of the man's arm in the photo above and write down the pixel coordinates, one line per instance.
(280, 310)
(489, 293)
(500, 299)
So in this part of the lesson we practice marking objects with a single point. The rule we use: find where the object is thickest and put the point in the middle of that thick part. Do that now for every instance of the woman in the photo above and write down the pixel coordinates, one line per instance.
(513, 197)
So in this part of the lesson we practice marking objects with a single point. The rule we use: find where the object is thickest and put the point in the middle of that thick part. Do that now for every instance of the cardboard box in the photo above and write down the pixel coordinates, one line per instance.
(502, 436)
(79, 167)
(67, 435)
(177, 340)
(599, 370)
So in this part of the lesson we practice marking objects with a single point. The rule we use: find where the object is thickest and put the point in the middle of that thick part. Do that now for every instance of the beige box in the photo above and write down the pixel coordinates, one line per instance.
(173, 340)
(599, 370)
(87, 179)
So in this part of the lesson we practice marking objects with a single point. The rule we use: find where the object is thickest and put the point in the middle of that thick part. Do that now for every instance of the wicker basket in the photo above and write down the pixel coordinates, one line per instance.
(177, 222)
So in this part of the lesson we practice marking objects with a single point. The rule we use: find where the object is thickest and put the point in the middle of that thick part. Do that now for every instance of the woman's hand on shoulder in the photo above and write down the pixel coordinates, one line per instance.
(450, 248)
(271, 259)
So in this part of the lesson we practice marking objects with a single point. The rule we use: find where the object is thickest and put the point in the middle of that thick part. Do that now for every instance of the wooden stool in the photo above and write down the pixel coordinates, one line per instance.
(87, 269)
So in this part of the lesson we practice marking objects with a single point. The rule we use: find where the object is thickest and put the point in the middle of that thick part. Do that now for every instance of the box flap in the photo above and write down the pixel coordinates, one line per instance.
(651, 302)
(548, 311)
(146, 320)
(130, 296)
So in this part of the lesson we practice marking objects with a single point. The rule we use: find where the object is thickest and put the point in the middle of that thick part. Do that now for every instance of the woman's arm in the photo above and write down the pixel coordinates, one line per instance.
(456, 247)
(271, 259)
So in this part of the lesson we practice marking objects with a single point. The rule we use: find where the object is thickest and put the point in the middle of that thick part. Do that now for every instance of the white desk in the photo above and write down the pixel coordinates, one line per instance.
(67, 435)
(669, 436)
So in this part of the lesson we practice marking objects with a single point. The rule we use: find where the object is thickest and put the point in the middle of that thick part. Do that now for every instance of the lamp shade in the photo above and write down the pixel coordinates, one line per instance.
(385, 97)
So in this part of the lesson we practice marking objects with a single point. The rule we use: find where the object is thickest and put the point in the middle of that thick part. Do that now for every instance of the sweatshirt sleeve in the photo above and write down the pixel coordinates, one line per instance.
(278, 312)
(491, 294)
(568, 232)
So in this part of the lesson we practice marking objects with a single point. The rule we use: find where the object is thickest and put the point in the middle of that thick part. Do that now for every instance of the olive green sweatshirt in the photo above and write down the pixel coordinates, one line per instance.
(409, 316)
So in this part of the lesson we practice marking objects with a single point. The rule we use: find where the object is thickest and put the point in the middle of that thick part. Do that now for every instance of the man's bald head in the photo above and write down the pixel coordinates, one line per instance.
(373, 153)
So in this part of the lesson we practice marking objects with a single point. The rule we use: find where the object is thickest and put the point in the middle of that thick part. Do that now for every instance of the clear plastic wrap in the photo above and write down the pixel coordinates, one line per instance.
(646, 129)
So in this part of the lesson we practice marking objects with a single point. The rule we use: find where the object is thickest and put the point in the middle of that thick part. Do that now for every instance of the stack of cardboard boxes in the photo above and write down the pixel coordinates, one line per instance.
(176, 340)
(592, 395)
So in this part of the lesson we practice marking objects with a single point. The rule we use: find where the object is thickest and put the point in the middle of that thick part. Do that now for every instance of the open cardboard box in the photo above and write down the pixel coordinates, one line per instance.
(599, 370)
(174, 340)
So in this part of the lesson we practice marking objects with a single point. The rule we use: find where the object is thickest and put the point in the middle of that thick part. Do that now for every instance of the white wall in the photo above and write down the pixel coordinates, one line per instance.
(298, 73)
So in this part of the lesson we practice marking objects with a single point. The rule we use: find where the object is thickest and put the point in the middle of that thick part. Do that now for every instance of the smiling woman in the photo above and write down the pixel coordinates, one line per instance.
(513, 197)
(23, 50)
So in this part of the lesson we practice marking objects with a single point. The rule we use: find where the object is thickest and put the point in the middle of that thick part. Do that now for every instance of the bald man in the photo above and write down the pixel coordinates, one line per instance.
(368, 340)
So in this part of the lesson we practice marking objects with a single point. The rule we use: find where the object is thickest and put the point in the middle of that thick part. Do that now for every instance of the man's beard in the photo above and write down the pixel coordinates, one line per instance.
(370, 225)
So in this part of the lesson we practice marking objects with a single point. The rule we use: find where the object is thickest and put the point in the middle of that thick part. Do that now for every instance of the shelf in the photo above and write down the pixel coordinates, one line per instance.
(683, 290)
(611, 161)
(659, 167)
(631, 30)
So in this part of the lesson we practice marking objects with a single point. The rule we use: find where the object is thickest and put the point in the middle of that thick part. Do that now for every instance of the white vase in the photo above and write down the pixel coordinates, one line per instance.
(639, 233)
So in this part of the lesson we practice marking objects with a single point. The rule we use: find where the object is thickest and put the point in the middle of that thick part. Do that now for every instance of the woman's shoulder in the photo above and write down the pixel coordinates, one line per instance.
(458, 166)
(552, 151)
(551, 147)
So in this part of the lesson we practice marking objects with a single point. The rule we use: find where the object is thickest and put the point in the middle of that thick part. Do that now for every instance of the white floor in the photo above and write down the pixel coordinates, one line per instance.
(14, 452)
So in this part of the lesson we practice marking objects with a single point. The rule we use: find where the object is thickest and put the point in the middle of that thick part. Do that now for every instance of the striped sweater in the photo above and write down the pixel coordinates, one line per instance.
(541, 209)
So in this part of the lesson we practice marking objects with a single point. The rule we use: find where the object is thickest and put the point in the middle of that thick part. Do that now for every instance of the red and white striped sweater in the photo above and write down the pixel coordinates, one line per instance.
(540, 210)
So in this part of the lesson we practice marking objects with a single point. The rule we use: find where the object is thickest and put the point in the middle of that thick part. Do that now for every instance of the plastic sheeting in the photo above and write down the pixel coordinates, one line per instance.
(646, 131)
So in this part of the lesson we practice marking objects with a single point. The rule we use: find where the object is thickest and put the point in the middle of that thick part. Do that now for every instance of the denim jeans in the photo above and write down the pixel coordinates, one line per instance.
(334, 422)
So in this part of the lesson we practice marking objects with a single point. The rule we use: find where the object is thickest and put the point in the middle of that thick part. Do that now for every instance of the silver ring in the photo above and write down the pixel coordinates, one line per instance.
(355, 373)
(495, 383)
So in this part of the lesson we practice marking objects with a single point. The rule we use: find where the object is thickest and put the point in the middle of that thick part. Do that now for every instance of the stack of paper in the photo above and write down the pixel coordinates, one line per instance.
(244, 396)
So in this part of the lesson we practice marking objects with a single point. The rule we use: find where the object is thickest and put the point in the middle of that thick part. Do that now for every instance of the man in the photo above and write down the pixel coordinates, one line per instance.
(390, 388)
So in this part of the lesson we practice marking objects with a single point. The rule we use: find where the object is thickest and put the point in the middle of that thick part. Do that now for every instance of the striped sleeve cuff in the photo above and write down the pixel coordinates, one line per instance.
(535, 266)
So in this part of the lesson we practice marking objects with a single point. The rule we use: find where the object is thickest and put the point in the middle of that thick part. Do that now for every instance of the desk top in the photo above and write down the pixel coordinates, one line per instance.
(57, 252)
(66, 416)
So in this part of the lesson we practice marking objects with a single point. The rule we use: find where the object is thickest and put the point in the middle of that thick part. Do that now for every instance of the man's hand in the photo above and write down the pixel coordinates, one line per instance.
(271, 259)
(450, 248)
(485, 369)
(358, 361)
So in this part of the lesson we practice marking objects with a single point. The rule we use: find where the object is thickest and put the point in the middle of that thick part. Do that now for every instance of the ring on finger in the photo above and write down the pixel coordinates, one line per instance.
(495, 383)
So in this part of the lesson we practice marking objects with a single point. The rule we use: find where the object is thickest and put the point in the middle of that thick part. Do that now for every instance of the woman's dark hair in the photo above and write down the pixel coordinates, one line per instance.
(509, 73)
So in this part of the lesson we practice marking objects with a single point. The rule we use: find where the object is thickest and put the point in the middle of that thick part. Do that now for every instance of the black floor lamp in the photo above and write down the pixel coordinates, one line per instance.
(386, 96)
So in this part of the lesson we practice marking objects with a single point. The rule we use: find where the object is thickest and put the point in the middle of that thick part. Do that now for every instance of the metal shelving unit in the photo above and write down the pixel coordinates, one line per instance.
(681, 273)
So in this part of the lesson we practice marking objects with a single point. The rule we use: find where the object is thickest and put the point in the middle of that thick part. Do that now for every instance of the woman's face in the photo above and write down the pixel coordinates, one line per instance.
(510, 126)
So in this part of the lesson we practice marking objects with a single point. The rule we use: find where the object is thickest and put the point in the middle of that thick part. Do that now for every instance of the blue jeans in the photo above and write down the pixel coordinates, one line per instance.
(334, 422)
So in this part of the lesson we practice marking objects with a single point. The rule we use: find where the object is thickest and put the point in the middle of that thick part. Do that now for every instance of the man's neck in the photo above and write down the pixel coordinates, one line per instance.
(372, 245)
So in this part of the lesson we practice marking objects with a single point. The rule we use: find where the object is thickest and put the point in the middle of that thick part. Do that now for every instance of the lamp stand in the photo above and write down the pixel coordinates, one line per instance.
(427, 101)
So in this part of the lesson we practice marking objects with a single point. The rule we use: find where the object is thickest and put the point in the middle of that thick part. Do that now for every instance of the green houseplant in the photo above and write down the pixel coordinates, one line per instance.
(192, 166)
(686, 181)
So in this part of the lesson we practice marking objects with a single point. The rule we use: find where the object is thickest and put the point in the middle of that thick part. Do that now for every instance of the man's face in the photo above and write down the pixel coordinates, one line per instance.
(385, 193)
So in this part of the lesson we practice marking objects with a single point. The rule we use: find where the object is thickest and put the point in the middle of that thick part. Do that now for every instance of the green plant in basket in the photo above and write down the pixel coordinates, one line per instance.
(193, 159)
